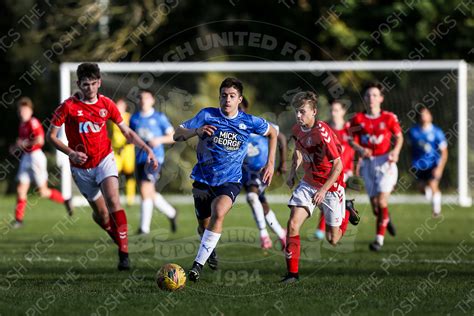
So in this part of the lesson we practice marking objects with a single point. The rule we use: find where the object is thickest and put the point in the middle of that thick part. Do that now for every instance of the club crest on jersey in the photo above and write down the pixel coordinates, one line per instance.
(79, 113)
(242, 126)
(382, 125)
(103, 112)
(309, 141)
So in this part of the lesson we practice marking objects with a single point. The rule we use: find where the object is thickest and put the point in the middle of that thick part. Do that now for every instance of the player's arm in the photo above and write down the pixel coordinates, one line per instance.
(272, 144)
(438, 171)
(332, 178)
(282, 150)
(28, 143)
(75, 156)
(296, 162)
(395, 152)
(182, 134)
(163, 140)
(353, 140)
(133, 138)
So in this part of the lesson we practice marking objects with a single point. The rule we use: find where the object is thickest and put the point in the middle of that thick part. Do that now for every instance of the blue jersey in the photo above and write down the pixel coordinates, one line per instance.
(221, 155)
(257, 152)
(149, 126)
(426, 145)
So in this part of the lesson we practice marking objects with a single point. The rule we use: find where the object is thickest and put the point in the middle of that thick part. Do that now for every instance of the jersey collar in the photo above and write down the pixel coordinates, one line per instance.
(370, 116)
(147, 114)
(229, 117)
(428, 128)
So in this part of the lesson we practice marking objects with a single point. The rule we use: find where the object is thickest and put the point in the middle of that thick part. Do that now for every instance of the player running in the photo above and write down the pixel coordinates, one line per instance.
(319, 151)
(90, 153)
(257, 157)
(429, 156)
(371, 135)
(223, 139)
(154, 128)
(341, 129)
(124, 153)
(33, 164)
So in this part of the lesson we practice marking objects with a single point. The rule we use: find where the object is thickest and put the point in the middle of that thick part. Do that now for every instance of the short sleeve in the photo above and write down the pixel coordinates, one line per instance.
(259, 126)
(115, 115)
(353, 130)
(411, 136)
(329, 138)
(196, 122)
(165, 124)
(133, 123)
(395, 125)
(59, 115)
(441, 139)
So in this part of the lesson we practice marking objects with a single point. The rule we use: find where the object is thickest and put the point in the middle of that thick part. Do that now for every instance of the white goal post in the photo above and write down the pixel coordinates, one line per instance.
(463, 190)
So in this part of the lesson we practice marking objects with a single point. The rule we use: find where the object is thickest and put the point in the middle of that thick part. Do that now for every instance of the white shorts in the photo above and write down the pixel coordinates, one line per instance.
(33, 166)
(88, 180)
(333, 206)
(380, 175)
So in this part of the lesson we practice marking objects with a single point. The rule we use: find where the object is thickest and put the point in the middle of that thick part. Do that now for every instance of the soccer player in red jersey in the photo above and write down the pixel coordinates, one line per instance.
(341, 129)
(33, 164)
(371, 136)
(90, 153)
(319, 151)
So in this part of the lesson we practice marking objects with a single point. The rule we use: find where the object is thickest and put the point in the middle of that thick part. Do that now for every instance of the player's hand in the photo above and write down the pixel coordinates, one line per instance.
(78, 157)
(393, 156)
(437, 173)
(366, 153)
(268, 173)
(319, 197)
(206, 130)
(151, 160)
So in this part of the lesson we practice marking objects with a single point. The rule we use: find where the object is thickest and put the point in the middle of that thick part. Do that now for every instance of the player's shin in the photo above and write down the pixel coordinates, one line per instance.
(382, 222)
(208, 244)
(344, 223)
(163, 206)
(146, 213)
(120, 229)
(105, 226)
(292, 254)
(56, 196)
(20, 209)
(258, 213)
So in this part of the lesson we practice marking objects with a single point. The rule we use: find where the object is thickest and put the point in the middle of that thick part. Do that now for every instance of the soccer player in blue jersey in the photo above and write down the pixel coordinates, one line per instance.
(223, 139)
(155, 129)
(257, 156)
(429, 156)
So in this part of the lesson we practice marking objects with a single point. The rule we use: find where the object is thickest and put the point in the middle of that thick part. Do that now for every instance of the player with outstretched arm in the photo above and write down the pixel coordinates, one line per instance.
(90, 153)
(223, 139)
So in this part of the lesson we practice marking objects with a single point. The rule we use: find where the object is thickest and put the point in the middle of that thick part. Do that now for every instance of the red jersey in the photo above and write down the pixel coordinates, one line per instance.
(347, 151)
(30, 130)
(319, 147)
(375, 133)
(85, 126)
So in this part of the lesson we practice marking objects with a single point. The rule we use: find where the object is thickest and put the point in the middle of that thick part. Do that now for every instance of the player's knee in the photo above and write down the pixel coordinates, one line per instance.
(252, 197)
(293, 227)
(113, 203)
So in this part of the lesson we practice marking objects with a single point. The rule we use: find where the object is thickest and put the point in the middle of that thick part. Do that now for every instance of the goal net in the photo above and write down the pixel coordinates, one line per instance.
(181, 89)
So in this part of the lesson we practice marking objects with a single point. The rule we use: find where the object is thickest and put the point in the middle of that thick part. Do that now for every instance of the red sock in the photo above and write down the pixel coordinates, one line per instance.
(107, 227)
(382, 220)
(292, 253)
(56, 196)
(344, 223)
(20, 209)
(120, 229)
(322, 223)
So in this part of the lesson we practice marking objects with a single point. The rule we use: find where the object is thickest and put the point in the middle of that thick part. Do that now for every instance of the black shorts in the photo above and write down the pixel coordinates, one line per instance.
(424, 175)
(145, 172)
(204, 194)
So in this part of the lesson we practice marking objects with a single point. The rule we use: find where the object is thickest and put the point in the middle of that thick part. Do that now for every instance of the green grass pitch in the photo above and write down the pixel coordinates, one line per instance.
(57, 265)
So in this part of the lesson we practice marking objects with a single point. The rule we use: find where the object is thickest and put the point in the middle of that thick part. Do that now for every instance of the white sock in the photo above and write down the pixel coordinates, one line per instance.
(436, 202)
(428, 193)
(146, 212)
(163, 206)
(257, 211)
(379, 239)
(208, 243)
(272, 221)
